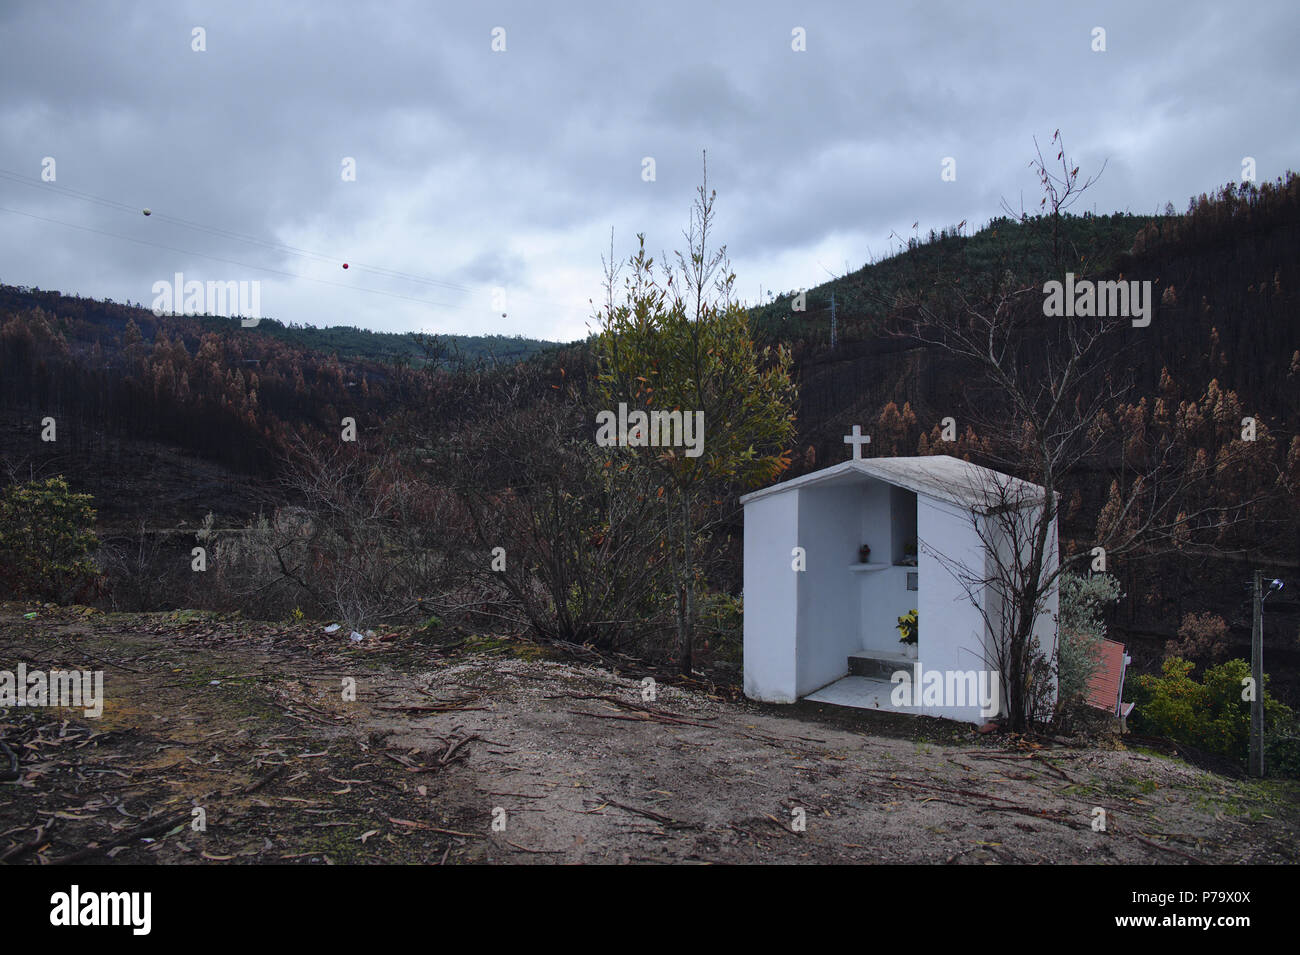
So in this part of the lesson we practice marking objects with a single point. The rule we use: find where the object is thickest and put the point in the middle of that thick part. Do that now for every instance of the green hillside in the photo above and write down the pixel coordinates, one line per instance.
(977, 261)
(348, 342)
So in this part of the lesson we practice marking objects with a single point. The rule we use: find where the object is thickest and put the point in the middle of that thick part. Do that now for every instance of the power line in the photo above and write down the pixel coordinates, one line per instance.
(20, 179)
(217, 258)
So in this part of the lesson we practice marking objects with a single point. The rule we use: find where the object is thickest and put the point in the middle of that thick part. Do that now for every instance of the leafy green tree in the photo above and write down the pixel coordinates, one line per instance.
(47, 541)
(679, 342)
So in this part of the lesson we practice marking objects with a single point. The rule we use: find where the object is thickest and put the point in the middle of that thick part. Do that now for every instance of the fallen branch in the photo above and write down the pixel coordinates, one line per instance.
(625, 704)
(549, 852)
(454, 749)
(157, 826)
(1177, 852)
(258, 784)
(1052, 816)
(412, 824)
(42, 836)
(651, 814)
(643, 718)
(438, 706)
(11, 772)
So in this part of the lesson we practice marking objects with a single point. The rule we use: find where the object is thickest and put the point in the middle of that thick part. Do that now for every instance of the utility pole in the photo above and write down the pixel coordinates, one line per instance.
(833, 336)
(1257, 675)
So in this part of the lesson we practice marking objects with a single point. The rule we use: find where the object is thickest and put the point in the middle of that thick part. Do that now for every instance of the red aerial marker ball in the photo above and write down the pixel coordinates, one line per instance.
(345, 265)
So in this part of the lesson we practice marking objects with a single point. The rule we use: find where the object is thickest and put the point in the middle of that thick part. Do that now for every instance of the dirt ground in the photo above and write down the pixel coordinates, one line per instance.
(493, 751)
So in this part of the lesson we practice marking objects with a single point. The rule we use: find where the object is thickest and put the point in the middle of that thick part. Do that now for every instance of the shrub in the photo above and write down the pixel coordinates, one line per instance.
(47, 542)
(720, 622)
(1210, 715)
(564, 537)
(1083, 602)
(146, 570)
(1282, 749)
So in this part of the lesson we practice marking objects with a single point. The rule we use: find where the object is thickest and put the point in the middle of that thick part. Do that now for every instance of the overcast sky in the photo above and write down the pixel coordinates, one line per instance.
(478, 169)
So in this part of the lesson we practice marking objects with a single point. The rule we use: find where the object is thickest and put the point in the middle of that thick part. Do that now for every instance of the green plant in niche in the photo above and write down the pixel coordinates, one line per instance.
(908, 628)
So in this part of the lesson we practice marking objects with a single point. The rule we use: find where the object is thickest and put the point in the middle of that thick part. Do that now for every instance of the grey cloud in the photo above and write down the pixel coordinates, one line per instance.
(478, 168)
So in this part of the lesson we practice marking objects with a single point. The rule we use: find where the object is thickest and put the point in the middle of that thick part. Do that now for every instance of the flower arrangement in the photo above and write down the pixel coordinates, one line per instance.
(908, 628)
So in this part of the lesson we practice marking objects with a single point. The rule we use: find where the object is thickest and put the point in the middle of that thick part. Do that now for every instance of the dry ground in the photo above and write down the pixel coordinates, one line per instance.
(247, 721)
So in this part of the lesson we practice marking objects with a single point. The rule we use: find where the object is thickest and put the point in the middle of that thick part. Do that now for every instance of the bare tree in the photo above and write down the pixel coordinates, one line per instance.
(561, 539)
(1041, 395)
(1061, 190)
(355, 543)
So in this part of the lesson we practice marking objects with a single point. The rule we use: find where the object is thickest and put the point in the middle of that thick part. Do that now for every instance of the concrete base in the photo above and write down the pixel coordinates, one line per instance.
(881, 664)
(861, 692)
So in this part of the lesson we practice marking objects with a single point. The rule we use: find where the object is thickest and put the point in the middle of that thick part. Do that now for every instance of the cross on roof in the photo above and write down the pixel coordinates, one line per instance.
(857, 439)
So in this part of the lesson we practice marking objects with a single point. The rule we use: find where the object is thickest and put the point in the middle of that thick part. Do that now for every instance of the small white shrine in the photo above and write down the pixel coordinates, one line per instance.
(821, 613)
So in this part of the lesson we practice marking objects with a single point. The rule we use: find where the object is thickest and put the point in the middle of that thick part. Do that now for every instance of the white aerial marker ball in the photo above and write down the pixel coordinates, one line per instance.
(148, 212)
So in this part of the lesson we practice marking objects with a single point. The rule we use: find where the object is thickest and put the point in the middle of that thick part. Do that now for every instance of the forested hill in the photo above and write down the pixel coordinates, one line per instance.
(1003, 250)
(1226, 277)
(1226, 274)
(345, 341)
(162, 415)
(348, 342)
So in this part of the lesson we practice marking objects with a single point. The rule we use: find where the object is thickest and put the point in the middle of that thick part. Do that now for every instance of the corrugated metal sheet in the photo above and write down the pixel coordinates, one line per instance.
(1104, 687)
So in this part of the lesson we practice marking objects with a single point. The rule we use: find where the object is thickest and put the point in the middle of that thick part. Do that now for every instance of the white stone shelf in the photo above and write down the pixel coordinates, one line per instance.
(866, 568)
